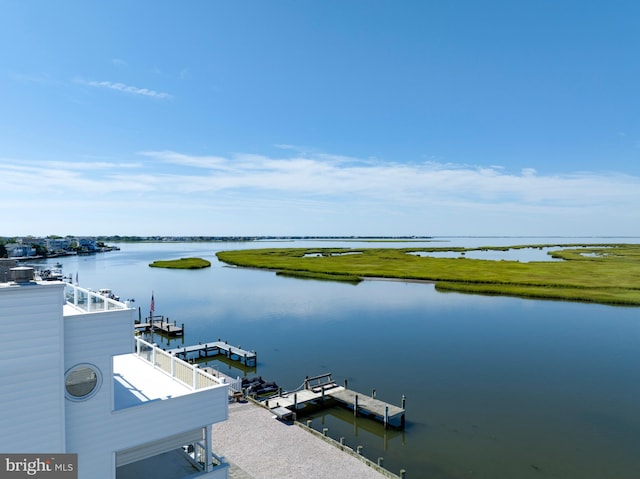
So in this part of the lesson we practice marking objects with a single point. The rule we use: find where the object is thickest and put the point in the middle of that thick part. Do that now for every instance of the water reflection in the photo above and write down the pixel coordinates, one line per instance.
(496, 387)
(523, 255)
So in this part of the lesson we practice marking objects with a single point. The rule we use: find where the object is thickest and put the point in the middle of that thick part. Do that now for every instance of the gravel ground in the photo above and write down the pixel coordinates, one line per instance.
(260, 447)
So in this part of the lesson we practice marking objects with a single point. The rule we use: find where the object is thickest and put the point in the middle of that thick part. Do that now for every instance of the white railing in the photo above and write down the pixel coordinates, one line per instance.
(188, 374)
(200, 456)
(90, 301)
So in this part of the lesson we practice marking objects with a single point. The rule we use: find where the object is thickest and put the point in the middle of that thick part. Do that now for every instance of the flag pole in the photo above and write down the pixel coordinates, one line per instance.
(152, 308)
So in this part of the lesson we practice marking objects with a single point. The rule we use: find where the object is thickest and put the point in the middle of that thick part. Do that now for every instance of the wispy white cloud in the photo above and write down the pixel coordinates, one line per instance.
(326, 175)
(41, 78)
(126, 88)
(175, 158)
(321, 189)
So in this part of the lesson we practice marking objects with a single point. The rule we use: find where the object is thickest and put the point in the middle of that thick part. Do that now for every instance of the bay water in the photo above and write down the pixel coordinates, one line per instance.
(495, 387)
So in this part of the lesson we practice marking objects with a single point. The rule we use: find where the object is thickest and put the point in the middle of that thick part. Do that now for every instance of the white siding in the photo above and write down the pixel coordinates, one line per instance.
(99, 433)
(39, 345)
(154, 448)
(32, 368)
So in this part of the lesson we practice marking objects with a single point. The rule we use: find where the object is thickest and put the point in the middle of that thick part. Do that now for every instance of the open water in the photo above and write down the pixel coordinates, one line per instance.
(496, 387)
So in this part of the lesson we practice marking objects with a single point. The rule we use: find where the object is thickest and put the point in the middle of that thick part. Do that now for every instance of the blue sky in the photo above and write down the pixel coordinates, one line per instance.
(320, 117)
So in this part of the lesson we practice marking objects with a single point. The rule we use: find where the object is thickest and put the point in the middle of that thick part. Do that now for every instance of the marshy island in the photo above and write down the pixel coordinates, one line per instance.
(601, 273)
(182, 263)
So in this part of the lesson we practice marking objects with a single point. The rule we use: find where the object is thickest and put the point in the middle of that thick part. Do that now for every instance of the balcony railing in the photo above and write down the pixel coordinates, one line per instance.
(188, 374)
(90, 301)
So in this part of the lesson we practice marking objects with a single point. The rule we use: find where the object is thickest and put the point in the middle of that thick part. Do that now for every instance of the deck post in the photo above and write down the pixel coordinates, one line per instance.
(208, 445)
(355, 406)
(404, 400)
(345, 383)
(373, 393)
(295, 402)
(386, 417)
(323, 394)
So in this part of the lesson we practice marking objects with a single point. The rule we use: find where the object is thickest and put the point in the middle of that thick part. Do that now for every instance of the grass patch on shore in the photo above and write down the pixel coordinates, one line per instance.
(182, 263)
(604, 273)
(346, 278)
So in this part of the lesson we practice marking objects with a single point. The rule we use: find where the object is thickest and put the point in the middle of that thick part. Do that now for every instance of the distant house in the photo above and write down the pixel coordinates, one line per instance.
(58, 245)
(30, 240)
(17, 250)
(87, 244)
(76, 380)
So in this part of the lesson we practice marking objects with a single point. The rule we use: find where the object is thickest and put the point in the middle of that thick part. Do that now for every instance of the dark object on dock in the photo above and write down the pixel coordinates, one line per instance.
(158, 324)
(214, 348)
(257, 386)
(321, 391)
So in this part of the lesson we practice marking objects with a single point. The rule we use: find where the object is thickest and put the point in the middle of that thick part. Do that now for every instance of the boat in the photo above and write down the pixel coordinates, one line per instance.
(107, 293)
(51, 274)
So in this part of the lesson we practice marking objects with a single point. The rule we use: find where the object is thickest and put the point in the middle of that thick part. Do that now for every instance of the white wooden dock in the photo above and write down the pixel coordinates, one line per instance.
(214, 348)
(158, 324)
(330, 393)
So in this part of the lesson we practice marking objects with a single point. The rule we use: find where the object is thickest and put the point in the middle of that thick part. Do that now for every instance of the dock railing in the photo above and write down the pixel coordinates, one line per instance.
(90, 301)
(188, 374)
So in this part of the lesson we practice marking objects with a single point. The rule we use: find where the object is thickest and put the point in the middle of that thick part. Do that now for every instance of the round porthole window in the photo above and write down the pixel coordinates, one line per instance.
(82, 381)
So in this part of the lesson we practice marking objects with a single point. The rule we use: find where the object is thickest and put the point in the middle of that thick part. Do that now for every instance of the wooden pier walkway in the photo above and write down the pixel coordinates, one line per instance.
(158, 324)
(214, 348)
(327, 392)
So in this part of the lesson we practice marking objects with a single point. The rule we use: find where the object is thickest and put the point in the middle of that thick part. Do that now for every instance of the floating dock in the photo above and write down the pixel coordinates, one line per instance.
(325, 392)
(207, 350)
(158, 324)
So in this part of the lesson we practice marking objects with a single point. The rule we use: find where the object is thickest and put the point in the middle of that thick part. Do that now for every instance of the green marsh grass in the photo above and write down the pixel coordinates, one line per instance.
(182, 263)
(605, 273)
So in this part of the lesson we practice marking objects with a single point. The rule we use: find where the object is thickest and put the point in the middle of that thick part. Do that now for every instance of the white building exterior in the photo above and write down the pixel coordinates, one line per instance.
(58, 244)
(75, 380)
(17, 250)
